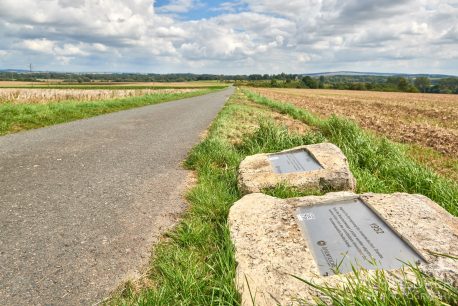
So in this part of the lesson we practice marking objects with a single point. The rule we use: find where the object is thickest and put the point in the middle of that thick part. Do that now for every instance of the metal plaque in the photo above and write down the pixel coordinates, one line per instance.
(296, 161)
(348, 233)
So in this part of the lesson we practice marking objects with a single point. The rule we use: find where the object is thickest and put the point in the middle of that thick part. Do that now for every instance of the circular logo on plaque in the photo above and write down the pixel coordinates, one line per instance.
(321, 243)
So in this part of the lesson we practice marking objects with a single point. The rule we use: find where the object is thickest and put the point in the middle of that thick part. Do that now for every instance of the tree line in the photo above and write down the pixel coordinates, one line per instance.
(282, 80)
(373, 83)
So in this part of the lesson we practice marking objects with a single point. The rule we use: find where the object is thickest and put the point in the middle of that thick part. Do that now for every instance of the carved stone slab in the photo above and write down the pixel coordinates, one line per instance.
(295, 161)
(319, 166)
(348, 233)
(270, 245)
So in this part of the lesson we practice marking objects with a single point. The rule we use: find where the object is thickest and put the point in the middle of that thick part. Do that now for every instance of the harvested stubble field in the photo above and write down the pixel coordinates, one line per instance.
(44, 96)
(429, 120)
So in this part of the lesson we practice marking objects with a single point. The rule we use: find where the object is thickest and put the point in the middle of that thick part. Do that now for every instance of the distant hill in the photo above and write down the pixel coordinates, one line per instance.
(208, 76)
(381, 74)
(14, 70)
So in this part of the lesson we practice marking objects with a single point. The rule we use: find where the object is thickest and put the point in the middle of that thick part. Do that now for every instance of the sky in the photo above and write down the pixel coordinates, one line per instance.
(230, 37)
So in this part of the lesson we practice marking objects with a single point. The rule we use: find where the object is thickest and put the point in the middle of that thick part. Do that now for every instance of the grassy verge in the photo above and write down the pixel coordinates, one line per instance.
(379, 165)
(19, 117)
(194, 264)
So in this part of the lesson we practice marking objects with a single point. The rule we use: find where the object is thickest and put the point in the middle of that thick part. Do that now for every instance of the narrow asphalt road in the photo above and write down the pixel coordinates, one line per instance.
(82, 203)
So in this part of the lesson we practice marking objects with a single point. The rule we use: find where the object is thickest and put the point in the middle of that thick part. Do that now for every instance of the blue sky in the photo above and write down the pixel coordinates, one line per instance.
(200, 9)
(230, 37)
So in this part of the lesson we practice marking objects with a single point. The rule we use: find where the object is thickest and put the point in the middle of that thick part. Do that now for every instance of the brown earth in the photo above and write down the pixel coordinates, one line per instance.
(429, 120)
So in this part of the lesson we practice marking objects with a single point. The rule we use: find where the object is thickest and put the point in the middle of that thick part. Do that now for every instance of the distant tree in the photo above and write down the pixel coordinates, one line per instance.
(357, 86)
(422, 84)
(321, 83)
(448, 85)
(254, 77)
(403, 84)
(309, 82)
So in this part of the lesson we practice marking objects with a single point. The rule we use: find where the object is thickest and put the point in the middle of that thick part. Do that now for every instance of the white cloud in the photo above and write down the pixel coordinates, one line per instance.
(248, 36)
(70, 49)
(100, 47)
(40, 45)
(178, 6)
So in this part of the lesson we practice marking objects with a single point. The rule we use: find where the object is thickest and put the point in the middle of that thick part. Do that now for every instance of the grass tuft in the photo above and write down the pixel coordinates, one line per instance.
(378, 287)
(284, 191)
(271, 137)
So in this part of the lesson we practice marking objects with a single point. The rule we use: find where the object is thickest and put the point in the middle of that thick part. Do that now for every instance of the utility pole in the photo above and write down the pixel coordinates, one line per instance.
(30, 67)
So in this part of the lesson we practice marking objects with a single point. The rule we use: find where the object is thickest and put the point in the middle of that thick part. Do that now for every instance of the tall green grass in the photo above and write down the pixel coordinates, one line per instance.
(18, 117)
(379, 165)
(271, 137)
(410, 287)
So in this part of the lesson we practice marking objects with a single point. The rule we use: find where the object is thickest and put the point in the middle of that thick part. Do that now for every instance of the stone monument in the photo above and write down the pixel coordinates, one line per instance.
(320, 166)
(320, 238)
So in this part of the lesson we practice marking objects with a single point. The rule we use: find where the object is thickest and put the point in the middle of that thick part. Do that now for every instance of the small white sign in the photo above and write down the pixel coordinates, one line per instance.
(306, 216)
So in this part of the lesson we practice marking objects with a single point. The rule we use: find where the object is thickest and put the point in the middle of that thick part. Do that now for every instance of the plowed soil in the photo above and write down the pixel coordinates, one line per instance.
(426, 119)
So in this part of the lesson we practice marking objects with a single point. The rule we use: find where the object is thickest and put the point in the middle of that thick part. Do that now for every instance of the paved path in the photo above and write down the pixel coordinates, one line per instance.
(82, 203)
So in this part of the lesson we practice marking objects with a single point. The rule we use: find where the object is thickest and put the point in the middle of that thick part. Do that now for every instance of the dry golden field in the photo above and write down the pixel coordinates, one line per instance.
(429, 120)
(43, 96)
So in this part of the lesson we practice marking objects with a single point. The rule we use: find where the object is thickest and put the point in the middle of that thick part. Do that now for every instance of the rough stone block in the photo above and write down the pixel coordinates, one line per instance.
(270, 246)
(261, 171)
